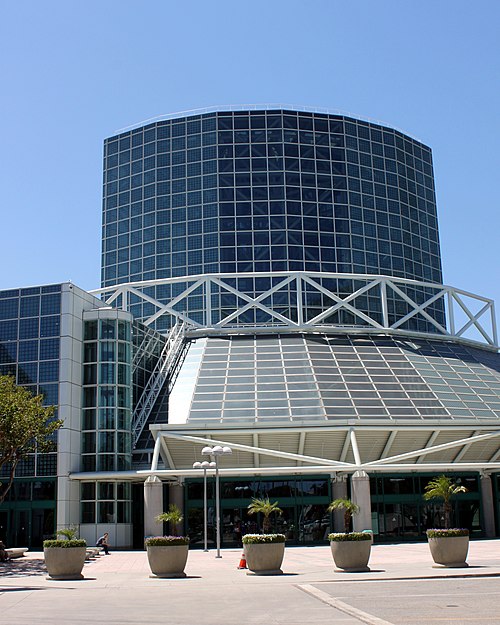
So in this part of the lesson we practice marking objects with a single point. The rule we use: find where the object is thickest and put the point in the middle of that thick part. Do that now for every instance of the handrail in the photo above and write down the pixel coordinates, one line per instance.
(166, 362)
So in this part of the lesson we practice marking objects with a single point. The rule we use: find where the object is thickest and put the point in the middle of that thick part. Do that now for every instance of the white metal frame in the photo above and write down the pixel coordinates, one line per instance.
(452, 300)
(304, 464)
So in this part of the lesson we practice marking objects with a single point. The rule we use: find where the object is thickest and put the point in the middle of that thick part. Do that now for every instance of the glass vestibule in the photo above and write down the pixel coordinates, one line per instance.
(400, 513)
(304, 501)
(28, 514)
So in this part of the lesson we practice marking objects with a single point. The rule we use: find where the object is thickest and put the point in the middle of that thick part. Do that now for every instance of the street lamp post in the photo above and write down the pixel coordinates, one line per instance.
(217, 451)
(204, 465)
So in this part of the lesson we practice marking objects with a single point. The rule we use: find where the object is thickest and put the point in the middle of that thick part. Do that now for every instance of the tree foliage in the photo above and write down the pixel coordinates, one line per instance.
(266, 508)
(348, 507)
(25, 425)
(443, 488)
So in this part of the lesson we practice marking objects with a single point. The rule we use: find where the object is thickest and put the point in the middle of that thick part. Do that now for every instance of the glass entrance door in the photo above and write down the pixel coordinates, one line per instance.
(22, 527)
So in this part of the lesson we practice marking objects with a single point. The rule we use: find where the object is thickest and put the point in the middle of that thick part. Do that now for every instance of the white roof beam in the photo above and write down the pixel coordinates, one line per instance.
(465, 448)
(431, 450)
(429, 443)
(355, 449)
(165, 454)
(251, 449)
(256, 459)
(345, 447)
(318, 469)
(388, 445)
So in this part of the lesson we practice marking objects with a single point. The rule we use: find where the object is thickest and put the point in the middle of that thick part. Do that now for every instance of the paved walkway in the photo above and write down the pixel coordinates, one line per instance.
(117, 588)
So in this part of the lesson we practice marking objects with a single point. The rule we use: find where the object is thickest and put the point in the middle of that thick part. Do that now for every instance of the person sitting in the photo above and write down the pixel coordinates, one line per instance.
(4, 556)
(103, 542)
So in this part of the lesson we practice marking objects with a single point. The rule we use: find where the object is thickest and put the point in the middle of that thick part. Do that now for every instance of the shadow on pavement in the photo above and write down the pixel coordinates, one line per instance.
(23, 568)
(20, 589)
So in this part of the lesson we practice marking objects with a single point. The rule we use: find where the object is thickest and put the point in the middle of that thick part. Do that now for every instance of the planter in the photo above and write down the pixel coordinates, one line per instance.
(64, 562)
(167, 561)
(449, 551)
(264, 558)
(351, 555)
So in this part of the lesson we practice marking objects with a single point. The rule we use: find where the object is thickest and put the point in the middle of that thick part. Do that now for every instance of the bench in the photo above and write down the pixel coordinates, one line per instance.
(92, 552)
(16, 552)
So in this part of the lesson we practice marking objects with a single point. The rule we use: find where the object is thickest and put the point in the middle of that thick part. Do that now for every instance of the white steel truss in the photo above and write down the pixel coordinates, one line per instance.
(444, 455)
(397, 301)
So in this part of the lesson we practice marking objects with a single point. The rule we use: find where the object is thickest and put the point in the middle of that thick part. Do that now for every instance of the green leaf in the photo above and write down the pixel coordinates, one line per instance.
(25, 426)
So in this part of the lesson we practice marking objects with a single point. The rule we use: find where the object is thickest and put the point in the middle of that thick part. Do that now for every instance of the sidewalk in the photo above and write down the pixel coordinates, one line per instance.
(118, 589)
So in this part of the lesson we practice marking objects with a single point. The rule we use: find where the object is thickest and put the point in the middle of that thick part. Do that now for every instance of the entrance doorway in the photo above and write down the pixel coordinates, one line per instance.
(303, 501)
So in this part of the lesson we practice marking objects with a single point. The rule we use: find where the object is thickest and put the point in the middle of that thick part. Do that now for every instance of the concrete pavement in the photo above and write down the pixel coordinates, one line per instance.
(117, 588)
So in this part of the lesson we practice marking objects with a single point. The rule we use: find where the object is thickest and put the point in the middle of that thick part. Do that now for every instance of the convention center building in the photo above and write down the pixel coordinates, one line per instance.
(271, 294)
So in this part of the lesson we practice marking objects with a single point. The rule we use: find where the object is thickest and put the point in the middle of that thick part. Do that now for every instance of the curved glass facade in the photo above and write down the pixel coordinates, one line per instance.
(274, 190)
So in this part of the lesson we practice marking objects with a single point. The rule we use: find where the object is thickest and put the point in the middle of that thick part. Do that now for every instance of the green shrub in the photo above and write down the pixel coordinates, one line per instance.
(451, 533)
(66, 544)
(259, 539)
(166, 541)
(351, 536)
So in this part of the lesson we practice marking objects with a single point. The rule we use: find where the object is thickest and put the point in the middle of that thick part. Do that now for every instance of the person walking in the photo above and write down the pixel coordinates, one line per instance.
(103, 542)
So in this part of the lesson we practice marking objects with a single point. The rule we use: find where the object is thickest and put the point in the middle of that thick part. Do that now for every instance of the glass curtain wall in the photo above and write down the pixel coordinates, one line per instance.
(400, 513)
(303, 501)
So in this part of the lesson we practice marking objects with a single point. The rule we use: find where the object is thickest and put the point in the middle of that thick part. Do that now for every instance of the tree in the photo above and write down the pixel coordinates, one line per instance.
(267, 508)
(173, 516)
(350, 509)
(443, 488)
(25, 425)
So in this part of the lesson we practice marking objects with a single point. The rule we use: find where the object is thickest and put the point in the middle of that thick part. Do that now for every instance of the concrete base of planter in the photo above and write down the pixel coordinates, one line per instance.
(264, 559)
(64, 563)
(449, 551)
(167, 561)
(351, 556)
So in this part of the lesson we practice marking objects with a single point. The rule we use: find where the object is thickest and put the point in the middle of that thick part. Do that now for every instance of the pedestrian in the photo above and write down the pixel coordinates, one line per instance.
(103, 542)
(4, 556)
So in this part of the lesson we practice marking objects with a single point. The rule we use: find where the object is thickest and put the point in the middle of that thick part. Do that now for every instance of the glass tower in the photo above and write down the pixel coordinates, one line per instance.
(267, 190)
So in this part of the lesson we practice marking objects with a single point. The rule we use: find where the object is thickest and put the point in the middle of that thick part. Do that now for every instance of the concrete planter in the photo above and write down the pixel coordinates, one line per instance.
(449, 551)
(64, 562)
(351, 555)
(264, 558)
(167, 561)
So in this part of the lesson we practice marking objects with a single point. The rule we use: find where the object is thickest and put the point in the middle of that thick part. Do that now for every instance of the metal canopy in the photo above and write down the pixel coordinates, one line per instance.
(330, 450)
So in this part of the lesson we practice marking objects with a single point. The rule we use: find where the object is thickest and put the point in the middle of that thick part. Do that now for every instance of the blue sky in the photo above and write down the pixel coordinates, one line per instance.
(74, 72)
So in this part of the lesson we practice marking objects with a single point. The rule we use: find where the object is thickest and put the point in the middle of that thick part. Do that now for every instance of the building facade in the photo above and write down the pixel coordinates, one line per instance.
(271, 282)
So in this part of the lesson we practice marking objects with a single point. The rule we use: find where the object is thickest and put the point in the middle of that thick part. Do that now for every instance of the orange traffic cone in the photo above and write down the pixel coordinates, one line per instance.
(243, 562)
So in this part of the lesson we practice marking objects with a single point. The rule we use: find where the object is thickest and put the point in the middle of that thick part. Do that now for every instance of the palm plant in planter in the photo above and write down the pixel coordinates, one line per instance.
(350, 550)
(173, 516)
(448, 546)
(266, 508)
(65, 558)
(167, 555)
(264, 552)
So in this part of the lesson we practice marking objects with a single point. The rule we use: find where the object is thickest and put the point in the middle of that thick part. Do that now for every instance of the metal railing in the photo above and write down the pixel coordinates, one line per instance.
(169, 358)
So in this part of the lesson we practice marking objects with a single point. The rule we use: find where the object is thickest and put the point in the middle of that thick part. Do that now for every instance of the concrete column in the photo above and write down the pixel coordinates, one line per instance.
(488, 506)
(360, 494)
(153, 505)
(176, 497)
(339, 491)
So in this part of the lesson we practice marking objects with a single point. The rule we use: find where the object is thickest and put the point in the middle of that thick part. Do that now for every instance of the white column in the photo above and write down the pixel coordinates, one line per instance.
(176, 495)
(153, 505)
(339, 491)
(487, 506)
(360, 495)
